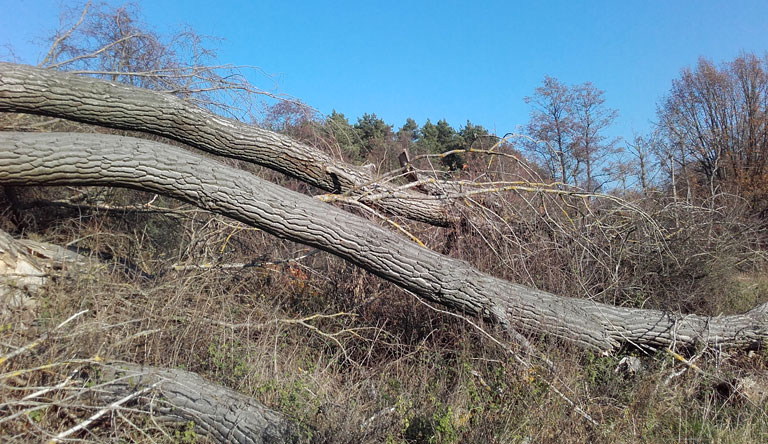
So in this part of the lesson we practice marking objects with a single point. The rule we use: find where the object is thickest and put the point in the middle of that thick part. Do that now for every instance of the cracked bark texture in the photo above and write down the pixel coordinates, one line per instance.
(224, 415)
(89, 159)
(178, 396)
(27, 89)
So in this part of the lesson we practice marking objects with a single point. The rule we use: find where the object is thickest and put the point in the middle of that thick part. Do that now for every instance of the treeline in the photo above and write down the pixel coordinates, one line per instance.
(710, 136)
(371, 139)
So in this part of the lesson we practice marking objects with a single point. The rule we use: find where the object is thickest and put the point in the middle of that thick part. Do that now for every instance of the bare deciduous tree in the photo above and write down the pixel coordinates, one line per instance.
(552, 123)
(591, 146)
(715, 125)
(643, 152)
(568, 124)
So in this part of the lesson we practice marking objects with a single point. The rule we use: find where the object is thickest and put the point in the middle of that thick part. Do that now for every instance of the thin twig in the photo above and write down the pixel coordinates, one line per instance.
(103, 412)
(40, 340)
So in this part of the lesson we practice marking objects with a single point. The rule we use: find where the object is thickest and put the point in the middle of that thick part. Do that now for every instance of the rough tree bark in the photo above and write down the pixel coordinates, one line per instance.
(222, 414)
(27, 89)
(88, 159)
(172, 395)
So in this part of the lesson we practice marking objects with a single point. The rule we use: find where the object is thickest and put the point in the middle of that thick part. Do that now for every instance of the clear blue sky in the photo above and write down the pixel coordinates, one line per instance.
(449, 59)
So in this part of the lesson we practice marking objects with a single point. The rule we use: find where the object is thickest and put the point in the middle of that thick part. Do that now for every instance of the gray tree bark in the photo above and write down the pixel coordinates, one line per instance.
(89, 159)
(27, 89)
(222, 414)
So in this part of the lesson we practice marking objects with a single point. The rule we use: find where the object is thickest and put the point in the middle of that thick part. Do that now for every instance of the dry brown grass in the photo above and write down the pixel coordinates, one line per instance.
(347, 355)
(354, 359)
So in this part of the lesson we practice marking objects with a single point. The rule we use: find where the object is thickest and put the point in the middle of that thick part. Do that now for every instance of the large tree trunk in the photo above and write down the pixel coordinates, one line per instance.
(172, 395)
(222, 414)
(89, 159)
(27, 89)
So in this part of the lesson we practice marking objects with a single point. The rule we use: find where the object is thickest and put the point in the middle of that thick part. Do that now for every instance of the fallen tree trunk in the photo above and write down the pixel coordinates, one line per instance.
(222, 414)
(171, 395)
(27, 89)
(88, 159)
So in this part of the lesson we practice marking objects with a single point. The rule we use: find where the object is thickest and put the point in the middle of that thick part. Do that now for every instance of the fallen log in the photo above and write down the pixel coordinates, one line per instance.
(26, 89)
(90, 159)
(182, 397)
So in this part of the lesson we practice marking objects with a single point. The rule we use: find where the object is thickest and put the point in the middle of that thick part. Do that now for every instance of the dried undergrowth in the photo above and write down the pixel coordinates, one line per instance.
(348, 356)
(352, 358)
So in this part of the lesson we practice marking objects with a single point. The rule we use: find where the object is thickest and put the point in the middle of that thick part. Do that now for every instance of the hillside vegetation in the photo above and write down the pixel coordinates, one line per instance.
(109, 281)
